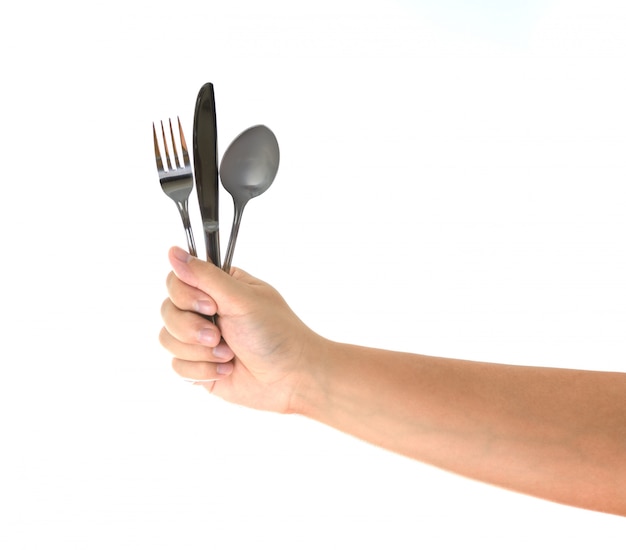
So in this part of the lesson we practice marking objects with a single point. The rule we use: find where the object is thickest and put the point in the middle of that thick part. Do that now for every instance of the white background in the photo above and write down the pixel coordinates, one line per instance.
(451, 183)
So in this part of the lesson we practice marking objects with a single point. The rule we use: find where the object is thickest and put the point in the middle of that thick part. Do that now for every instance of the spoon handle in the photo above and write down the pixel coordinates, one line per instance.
(233, 237)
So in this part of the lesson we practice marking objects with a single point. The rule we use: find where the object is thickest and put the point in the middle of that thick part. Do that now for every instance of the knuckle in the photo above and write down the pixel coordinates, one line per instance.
(170, 279)
(177, 366)
(164, 337)
(165, 306)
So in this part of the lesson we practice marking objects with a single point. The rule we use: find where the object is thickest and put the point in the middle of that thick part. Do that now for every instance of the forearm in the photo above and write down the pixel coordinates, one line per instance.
(554, 433)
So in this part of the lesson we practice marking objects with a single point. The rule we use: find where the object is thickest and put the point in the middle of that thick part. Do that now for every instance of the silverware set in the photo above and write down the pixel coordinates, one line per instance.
(248, 169)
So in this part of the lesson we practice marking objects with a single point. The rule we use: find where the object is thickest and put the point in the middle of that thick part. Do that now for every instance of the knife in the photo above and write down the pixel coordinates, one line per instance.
(206, 171)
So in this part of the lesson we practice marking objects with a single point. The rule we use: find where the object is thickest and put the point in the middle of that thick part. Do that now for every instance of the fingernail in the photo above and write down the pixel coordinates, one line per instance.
(224, 368)
(206, 336)
(222, 351)
(204, 307)
(181, 255)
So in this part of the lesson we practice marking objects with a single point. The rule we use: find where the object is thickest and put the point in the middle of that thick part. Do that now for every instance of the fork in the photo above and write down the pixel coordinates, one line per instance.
(177, 180)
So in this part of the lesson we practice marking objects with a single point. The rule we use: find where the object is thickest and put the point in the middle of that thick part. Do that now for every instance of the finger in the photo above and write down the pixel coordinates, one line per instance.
(220, 353)
(188, 327)
(201, 372)
(188, 297)
(222, 287)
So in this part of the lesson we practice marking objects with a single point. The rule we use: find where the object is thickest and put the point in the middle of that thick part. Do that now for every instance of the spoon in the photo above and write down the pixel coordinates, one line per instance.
(247, 170)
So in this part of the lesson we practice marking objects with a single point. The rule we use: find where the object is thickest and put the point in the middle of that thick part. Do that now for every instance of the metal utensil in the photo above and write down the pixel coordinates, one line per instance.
(248, 168)
(205, 168)
(177, 180)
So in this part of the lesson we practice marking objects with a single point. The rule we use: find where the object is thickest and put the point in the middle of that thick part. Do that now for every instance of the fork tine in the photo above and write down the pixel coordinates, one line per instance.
(167, 153)
(157, 151)
(183, 144)
(174, 146)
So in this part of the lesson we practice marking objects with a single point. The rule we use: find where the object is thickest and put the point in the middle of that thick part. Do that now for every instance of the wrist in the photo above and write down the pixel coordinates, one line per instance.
(313, 373)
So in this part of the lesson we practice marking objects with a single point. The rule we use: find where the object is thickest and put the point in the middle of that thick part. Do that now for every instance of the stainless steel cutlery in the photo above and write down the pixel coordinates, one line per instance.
(205, 168)
(176, 180)
(248, 169)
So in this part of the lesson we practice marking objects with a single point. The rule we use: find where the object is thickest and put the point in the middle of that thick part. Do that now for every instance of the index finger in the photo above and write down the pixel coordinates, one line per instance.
(189, 298)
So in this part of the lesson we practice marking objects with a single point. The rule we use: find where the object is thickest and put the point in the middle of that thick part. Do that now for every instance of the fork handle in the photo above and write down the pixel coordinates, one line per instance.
(184, 214)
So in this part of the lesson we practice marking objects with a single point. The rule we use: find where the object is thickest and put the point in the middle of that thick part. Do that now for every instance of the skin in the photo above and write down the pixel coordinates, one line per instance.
(556, 434)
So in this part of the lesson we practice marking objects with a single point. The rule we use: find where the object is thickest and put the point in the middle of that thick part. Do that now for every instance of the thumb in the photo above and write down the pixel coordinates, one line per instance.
(202, 275)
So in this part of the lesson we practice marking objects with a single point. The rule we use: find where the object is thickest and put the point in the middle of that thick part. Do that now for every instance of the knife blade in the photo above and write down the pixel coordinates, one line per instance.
(206, 169)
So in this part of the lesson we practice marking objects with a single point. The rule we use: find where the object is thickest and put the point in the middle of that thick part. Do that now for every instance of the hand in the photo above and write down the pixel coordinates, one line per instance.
(259, 352)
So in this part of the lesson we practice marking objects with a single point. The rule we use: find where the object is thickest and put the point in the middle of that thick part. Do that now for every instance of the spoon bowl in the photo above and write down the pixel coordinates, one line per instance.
(247, 170)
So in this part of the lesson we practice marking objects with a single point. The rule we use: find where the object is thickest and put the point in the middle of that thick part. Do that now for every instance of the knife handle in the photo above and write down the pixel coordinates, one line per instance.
(212, 242)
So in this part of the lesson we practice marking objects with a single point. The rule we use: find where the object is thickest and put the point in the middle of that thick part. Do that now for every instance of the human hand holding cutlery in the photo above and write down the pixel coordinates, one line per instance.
(248, 169)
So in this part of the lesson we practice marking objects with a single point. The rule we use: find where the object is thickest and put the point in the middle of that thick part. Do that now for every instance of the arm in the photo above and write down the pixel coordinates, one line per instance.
(553, 433)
